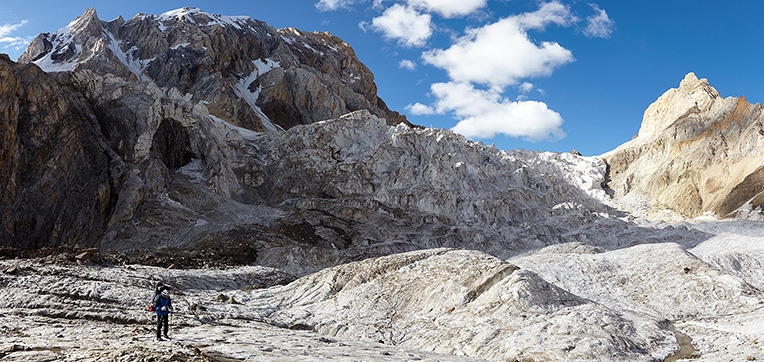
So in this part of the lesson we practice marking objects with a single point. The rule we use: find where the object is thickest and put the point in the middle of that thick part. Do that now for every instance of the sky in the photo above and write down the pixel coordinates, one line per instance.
(549, 75)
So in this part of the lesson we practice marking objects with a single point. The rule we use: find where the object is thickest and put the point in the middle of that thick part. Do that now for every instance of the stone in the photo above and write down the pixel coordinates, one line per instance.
(11, 270)
(86, 254)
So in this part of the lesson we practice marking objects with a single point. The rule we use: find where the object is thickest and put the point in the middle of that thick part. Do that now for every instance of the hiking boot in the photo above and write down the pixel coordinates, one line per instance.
(167, 337)
(160, 339)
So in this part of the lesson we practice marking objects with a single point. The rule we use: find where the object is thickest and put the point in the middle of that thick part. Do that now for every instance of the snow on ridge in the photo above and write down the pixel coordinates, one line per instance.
(179, 14)
(136, 66)
(227, 20)
(60, 39)
(241, 88)
(188, 13)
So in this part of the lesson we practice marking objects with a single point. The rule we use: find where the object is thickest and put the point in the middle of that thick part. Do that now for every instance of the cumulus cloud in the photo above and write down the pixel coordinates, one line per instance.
(404, 24)
(419, 109)
(501, 53)
(407, 64)
(449, 8)
(331, 5)
(15, 42)
(599, 25)
(485, 113)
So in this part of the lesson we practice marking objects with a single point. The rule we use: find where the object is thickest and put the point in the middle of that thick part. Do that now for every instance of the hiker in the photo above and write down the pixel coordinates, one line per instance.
(163, 306)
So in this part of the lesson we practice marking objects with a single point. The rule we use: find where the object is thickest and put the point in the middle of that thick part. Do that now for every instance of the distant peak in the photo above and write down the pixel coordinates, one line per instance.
(88, 15)
(692, 81)
(693, 93)
(87, 23)
(90, 12)
(181, 12)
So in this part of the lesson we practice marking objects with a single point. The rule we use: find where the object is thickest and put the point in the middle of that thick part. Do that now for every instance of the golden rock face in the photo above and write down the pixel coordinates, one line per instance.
(696, 153)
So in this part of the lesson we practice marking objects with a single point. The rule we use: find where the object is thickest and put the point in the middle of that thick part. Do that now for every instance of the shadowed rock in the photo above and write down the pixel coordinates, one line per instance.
(59, 181)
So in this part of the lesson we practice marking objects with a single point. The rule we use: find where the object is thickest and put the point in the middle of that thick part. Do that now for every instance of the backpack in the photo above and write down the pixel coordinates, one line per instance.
(155, 303)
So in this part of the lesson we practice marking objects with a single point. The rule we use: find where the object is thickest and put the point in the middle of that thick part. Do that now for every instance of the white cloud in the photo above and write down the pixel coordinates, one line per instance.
(526, 87)
(419, 109)
(485, 113)
(6, 29)
(549, 13)
(404, 24)
(15, 42)
(449, 8)
(407, 64)
(331, 5)
(599, 25)
(500, 54)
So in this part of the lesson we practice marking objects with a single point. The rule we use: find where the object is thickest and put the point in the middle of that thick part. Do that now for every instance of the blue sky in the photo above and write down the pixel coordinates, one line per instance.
(541, 75)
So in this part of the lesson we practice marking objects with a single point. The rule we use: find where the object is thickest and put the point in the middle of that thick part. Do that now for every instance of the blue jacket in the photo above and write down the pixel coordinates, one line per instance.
(163, 302)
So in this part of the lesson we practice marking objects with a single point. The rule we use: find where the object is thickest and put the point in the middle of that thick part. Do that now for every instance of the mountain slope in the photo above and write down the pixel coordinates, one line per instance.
(245, 71)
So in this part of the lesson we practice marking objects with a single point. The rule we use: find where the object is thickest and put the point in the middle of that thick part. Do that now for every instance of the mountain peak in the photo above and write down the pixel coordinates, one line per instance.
(692, 93)
(86, 24)
(690, 78)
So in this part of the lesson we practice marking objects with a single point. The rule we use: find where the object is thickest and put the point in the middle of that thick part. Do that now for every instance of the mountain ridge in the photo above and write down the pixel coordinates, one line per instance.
(308, 77)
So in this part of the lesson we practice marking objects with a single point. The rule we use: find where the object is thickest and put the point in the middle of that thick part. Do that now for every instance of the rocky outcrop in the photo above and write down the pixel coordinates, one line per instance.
(696, 153)
(60, 181)
(246, 72)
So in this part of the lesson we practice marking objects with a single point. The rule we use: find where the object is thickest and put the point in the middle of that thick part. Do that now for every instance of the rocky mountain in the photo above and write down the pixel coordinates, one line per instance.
(696, 153)
(190, 139)
(246, 72)
(312, 196)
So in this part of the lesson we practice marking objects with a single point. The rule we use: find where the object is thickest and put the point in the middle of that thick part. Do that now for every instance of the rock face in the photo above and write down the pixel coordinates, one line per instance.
(695, 153)
(326, 193)
(60, 181)
(246, 72)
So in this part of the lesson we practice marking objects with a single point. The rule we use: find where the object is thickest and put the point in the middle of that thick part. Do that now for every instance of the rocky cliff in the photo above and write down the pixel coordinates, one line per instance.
(246, 72)
(696, 153)
(59, 180)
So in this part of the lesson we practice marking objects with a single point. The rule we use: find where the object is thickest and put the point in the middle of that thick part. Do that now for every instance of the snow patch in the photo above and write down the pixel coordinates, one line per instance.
(311, 48)
(222, 20)
(182, 45)
(241, 88)
(227, 127)
(136, 66)
(61, 40)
